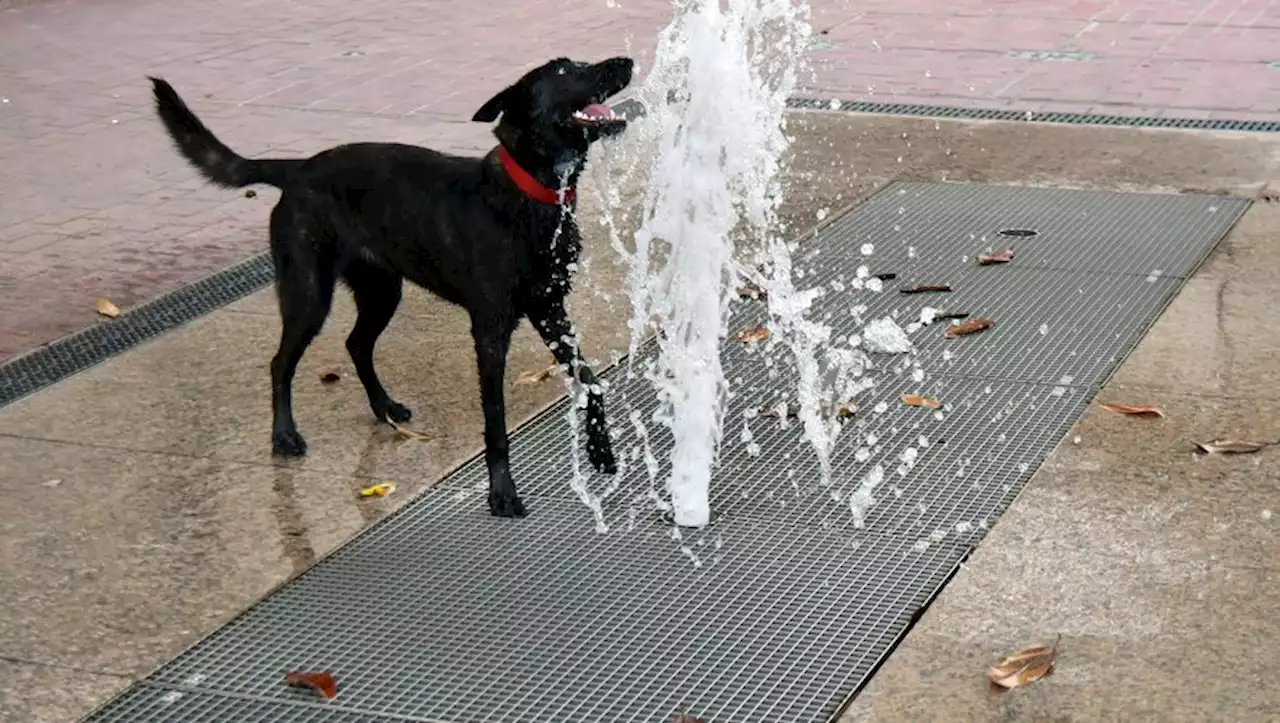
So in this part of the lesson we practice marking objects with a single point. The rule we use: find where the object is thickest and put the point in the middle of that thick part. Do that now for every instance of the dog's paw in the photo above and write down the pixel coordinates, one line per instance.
(394, 411)
(288, 443)
(505, 504)
(600, 454)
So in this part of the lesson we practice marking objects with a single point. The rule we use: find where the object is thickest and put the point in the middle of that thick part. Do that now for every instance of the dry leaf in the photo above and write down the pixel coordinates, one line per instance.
(747, 336)
(329, 375)
(1002, 257)
(322, 683)
(846, 410)
(407, 433)
(531, 378)
(884, 277)
(950, 315)
(916, 400)
(751, 291)
(106, 308)
(972, 326)
(1133, 410)
(925, 289)
(1025, 666)
(382, 489)
(1229, 446)
(774, 412)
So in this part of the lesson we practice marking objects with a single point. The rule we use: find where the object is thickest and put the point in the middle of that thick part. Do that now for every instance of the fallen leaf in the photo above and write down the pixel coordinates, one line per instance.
(106, 308)
(1133, 410)
(1025, 666)
(884, 277)
(972, 326)
(916, 400)
(846, 410)
(407, 433)
(329, 375)
(775, 413)
(950, 315)
(1229, 446)
(531, 378)
(1002, 257)
(322, 683)
(925, 289)
(382, 489)
(747, 336)
(751, 291)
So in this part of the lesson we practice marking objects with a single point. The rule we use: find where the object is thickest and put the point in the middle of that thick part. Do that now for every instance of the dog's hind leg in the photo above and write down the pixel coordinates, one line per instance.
(492, 333)
(304, 287)
(377, 294)
(552, 323)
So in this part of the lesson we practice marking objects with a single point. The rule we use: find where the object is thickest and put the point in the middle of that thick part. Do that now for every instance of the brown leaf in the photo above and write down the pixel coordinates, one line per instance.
(407, 433)
(1133, 410)
(846, 410)
(925, 289)
(1229, 446)
(751, 291)
(747, 336)
(329, 375)
(106, 308)
(774, 413)
(322, 683)
(1002, 257)
(972, 326)
(916, 400)
(531, 378)
(1025, 666)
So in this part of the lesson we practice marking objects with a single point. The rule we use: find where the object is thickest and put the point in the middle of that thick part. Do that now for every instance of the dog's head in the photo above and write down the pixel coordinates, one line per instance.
(552, 115)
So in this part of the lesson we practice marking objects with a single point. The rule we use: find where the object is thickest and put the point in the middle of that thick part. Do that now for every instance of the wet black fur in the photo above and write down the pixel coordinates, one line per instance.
(372, 214)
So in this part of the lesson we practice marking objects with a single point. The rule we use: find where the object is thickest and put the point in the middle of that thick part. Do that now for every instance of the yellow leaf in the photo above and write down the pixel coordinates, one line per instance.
(382, 489)
(1025, 666)
(106, 308)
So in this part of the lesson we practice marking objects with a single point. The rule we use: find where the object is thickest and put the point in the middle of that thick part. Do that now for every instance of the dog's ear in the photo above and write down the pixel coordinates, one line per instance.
(488, 112)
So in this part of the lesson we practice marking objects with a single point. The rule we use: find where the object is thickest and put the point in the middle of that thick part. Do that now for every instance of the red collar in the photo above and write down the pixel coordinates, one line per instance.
(530, 185)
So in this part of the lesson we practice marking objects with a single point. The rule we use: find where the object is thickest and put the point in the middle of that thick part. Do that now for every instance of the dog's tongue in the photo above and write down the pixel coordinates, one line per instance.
(597, 111)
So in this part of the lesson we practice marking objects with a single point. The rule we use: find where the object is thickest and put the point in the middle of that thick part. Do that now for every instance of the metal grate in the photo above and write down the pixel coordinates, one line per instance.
(73, 354)
(441, 613)
(1006, 114)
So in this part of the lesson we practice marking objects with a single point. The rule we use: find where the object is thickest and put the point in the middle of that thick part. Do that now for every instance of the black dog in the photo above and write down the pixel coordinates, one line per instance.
(494, 235)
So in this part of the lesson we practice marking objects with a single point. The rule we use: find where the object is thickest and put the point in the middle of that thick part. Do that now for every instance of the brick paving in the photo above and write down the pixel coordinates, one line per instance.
(94, 203)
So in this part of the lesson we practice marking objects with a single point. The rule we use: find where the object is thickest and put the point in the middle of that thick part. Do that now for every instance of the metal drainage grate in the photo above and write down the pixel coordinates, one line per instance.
(441, 613)
(72, 354)
(1095, 119)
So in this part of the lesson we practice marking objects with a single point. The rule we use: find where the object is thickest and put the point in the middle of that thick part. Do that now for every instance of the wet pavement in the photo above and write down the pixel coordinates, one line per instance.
(141, 509)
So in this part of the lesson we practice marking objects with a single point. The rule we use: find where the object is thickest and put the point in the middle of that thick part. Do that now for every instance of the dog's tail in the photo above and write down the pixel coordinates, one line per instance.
(202, 149)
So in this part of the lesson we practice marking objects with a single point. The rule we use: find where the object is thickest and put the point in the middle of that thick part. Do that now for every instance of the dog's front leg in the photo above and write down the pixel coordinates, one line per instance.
(552, 322)
(493, 339)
